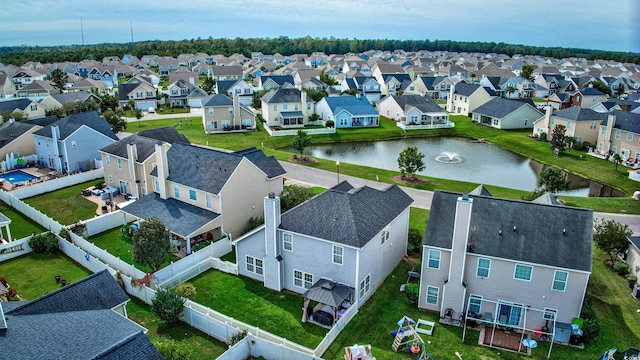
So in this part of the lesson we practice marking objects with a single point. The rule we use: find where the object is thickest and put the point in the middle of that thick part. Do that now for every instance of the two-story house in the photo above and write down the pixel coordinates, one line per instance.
(588, 97)
(72, 143)
(620, 134)
(57, 101)
(580, 123)
(138, 90)
(503, 113)
(222, 113)
(287, 108)
(16, 136)
(435, 87)
(502, 258)
(366, 86)
(128, 162)
(31, 109)
(465, 98)
(183, 93)
(7, 87)
(348, 111)
(269, 82)
(350, 237)
(239, 88)
(202, 193)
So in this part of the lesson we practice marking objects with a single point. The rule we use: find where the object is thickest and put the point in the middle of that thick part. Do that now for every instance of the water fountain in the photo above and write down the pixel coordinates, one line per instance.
(447, 157)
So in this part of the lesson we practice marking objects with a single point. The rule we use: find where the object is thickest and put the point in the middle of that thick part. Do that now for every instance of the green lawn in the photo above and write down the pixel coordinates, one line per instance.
(67, 206)
(33, 275)
(115, 245)
(418, 219)
(249, 301)
(21, 226)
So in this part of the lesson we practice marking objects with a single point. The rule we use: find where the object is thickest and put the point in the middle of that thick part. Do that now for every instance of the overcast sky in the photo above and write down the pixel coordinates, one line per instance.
(590, 24)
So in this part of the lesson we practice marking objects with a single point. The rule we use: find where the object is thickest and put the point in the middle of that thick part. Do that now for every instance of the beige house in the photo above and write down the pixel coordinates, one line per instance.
(287, 108)
(464, 98)
(128, 162)
(138, 90)
(588, 97)
(620, 134)
(16, 137)
(29, 108)
(221, 113)
(580, 123)
(7, 87)
(204, 194)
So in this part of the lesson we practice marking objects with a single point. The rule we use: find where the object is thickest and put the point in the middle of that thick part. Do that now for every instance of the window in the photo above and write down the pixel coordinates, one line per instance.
(385, 236)
(338, 254)
(34, 107)
(483, 268)
(156, 185)
(176, 191)
(302, 279)
(434, 259)
(592, 125)
(110, 178)
(617, 134)
(549, 314)
(275, 107)
(287, 242)
(475, 304)
(614, 149)
(295, 107)
(149, 94)
(143, 191)
(192, 194)
(308, 106)
(108, 159)
(207, 200)
(365, 286)
(432, 295)
(254, 265)
(568, 124)
(629, 137)
(210, 111)
(553, 121)
(230, 109)
(139, 94)
(119, 163)
(285, 106)
(523, 272)
(560, 280)
(602, 130)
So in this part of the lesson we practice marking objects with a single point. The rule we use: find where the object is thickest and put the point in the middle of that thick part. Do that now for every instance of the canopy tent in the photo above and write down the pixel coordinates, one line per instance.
(327, 292)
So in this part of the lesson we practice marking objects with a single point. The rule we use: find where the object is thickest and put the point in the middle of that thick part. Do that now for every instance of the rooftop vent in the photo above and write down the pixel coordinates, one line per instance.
(564, 231)
(515, 228)
(499, 232)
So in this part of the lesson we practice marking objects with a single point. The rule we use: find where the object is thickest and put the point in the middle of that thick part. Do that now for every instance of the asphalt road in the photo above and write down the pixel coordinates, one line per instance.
(422, 198)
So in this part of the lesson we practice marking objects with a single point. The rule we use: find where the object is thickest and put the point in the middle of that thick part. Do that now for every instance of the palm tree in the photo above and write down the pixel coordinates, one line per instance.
(617, 159)
(510, 90)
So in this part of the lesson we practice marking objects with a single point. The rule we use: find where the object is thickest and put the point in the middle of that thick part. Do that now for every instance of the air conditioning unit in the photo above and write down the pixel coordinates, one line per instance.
(636, 291)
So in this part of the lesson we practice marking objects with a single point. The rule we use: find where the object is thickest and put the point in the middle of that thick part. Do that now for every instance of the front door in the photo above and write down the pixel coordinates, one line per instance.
(123, 187)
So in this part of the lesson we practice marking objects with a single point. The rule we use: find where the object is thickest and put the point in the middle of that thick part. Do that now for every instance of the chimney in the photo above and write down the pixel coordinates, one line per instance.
(547, 118)
(611, 122)
(162, 166)
(236, 110)
(132, 157)
(55, 133)
(303, 100)
(450, 105)
(272, 259)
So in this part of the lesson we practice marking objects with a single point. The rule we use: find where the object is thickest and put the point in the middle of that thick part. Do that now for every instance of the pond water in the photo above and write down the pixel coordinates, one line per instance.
(456, 159)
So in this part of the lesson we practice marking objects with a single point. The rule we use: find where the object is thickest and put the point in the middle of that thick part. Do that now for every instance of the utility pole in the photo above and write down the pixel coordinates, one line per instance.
(131, 24)
(82, 31)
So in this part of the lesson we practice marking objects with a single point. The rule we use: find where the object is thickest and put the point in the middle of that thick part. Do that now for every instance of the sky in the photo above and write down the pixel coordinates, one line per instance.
(589, 24)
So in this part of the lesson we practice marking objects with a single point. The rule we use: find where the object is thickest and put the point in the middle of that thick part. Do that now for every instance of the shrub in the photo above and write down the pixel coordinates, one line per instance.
(587, 309)
(126, 232)
(631, 279)
(168, 305)
(253, 223)
(170, 350)
(200, 246)
(590, 330)
(586, 144)
(415, 241)
(577, 146)
(64, 233)
(411, 291)
(45, 243)
(621, 267)
(330, 123)
(542, 137)
(78, 228)
(237, 337)
(187, 290)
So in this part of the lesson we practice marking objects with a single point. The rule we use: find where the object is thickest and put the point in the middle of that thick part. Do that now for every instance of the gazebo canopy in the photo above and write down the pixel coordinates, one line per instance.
(328, 292)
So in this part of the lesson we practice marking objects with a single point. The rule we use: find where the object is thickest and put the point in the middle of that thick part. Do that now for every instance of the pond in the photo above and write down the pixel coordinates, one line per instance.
(456, 159)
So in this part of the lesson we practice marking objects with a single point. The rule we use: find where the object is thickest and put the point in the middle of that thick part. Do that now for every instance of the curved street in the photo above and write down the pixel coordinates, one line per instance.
(422, 198)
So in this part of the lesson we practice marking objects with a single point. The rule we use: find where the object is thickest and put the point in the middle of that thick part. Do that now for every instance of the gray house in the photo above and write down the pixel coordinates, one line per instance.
(83, 320)
(72, 143)
(506, 114)
(497, 260)
(352, 237)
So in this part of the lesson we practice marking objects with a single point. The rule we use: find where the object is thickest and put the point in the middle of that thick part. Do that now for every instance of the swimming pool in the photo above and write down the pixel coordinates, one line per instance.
(17, 176)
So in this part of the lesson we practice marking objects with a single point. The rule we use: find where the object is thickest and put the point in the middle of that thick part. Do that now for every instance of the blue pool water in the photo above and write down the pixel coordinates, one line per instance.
(17, 176)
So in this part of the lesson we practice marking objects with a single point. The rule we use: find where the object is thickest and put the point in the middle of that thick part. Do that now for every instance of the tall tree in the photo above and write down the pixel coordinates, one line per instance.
(151, 243)
(300, 141)
(328, 79)
(410, 161)
(610, 236)
(552, 179)
(116, 120)
(558, 143)
(617, 159)
(600, 86)
(527, 72)
(619, 90)
(208, 85)
(58, 79)
(510, 90)
(168, 305)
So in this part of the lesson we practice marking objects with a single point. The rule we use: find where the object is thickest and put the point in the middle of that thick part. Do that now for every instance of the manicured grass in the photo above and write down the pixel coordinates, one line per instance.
(249, 301)
(21, 226)
(163, 109)
(418, 219)
(67, 206)
(115, 245)
(33, 275)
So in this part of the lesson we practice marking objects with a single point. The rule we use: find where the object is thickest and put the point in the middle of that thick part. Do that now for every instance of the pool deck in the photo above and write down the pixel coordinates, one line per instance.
(41, 174)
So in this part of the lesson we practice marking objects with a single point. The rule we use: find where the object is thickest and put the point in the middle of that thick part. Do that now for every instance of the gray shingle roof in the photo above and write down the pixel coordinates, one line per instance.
(217, 100)
(179, 217)
(167, 134)
(422, 103)
(328, 292)
(145, 142)
(125, 89)
(71, 96)
(625, 121)
(547, 199)
(351, 218)
(480, 190)
(499, 107)
(588, 91)
(208, 169)
(11, 105)
(11, 131)
(577, 113)
(278, 79)
(539, 237)
(350, 103)
(73, 122)
(465, 89)
(289, 95)
(635, 240)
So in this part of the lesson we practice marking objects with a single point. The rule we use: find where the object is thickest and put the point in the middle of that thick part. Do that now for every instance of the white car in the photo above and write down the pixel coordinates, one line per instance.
(151, 110)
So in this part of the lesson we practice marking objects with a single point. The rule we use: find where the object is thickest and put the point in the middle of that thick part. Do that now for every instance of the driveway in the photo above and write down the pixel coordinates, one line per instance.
(155, 116)
(422, 198)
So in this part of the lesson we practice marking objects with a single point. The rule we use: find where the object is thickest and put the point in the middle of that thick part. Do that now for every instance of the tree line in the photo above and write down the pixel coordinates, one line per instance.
(18, 55)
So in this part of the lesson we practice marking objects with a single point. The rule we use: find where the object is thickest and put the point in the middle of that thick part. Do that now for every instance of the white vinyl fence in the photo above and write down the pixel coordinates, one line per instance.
(291, 132)
(56, 184)
(104, 256)
(107, 221)
(14, 249)
(30, 212)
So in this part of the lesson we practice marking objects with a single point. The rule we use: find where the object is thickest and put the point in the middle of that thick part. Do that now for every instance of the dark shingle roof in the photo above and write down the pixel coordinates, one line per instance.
(73, 122)
(11, 131)
(145, 142)
(136, 346)
(532, 242)
(217, 100)
(224, 85)
(168, 134)
(278, 79)
(289, 95)
(547, 199)
(351, 218)
(422, 103)
(208, 170)
(625, 121)
(499, 107)
(181, 218)
(635, 240)
(465, 89)
(125, 89)
(11, 105)
(577, 113)
(588, 91)
(64, 98)
(44, 121)
(480, 190)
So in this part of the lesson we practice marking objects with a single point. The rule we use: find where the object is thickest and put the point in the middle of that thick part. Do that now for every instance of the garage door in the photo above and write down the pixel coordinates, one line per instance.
(146, 105)
(195, 103)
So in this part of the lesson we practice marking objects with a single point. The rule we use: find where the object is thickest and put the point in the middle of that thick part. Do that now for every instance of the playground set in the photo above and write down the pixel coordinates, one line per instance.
(408, 337)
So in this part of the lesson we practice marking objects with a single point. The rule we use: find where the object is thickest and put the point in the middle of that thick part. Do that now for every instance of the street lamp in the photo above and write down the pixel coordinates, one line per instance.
(338, 167)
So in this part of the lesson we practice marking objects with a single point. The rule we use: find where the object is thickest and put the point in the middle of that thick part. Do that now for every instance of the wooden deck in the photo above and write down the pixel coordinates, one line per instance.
(507, 340)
